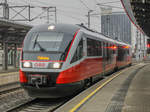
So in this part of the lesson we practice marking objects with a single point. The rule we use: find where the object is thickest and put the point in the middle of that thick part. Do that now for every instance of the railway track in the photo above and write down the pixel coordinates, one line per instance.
(39, 105)
(13, 99)
(16, 100)
(10, 95)
(43, 105)
(7, 88)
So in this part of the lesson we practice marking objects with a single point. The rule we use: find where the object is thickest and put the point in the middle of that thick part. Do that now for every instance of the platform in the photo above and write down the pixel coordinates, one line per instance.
(127, 90)
(10, 69)
(9, 76)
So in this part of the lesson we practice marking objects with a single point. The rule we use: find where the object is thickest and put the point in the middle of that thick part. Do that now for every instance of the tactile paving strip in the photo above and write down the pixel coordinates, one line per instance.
(117, 102)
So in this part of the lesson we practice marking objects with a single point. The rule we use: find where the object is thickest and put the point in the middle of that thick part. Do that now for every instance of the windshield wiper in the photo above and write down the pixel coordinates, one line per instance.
(41, 48)
(35, 41)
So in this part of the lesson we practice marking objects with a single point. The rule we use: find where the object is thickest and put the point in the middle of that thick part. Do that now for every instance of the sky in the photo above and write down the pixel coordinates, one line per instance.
(68, 11)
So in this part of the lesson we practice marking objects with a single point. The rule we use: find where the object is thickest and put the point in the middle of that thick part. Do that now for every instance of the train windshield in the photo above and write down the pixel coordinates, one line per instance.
(52, 44)
(45, 41)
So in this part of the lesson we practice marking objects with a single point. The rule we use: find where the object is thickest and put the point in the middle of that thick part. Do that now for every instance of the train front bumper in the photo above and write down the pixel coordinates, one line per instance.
(59, 90)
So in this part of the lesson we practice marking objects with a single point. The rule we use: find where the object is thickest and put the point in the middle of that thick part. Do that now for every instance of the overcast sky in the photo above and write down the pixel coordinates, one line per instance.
(68, 11)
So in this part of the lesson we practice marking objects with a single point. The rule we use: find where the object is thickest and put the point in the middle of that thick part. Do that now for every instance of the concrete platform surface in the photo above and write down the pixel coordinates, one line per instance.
(10, 69)
(10, 77)
(138, 96)
(125, 91)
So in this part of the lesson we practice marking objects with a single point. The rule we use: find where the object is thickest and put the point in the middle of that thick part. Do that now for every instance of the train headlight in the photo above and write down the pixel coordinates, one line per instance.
(56, 65)
(27, 64)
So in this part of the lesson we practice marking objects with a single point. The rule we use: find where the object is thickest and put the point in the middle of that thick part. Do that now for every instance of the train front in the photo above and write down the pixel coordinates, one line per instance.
(44, 57)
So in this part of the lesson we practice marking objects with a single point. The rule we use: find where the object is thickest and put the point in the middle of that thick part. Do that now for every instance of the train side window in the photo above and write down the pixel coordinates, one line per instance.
(94, 47)
(121, 53)
(79, 52)
(128, 52)
(104, 50)
(111, 52)
(90, 47)
(107, 51)
(99, 48)
(114, 50)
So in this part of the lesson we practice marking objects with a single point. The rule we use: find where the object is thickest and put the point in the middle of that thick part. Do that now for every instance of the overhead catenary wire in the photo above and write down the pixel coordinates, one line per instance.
(71, 13)
(65, 7)
(39, 15)
(40, 2)
(70, 16)
(63, 12)
(43, 3)
(27, 3)
(84, 4)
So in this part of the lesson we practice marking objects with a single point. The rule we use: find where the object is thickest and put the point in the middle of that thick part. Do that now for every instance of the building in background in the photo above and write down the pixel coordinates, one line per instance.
(119, 27)
(139, 44)
(116, 26)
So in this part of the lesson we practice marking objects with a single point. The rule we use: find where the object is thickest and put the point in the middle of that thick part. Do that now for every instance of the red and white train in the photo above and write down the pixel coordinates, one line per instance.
(58, 60)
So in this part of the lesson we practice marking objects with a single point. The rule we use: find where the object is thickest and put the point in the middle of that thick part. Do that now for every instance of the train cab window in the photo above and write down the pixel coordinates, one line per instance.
(79, 52)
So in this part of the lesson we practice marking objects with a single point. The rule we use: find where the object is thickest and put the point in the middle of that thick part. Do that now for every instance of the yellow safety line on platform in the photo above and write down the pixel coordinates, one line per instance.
(96, 90)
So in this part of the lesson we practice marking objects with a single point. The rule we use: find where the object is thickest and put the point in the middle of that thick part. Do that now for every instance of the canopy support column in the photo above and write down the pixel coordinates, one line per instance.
(5, 56)
(15, 56)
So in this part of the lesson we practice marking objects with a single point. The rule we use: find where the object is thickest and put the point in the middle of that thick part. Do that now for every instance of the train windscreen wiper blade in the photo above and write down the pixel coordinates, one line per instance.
(41, 48)
(37, 43)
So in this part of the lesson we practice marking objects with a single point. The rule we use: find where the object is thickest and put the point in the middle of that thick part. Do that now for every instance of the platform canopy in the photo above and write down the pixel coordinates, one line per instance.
(12, 32)
(11, 37)
(139, 13)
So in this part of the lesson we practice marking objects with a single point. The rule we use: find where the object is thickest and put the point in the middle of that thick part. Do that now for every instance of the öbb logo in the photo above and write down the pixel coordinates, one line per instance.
(39, 64)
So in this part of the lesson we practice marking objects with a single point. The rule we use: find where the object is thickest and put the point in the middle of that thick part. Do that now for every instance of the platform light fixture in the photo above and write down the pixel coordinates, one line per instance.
(51, 27)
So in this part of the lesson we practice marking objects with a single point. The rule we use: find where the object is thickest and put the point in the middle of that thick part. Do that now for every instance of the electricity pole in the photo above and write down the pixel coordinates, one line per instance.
(5, 10)
(89, 14)
(19, 14)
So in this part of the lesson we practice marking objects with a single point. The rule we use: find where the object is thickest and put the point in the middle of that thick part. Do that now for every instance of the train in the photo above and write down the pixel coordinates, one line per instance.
(58, 60)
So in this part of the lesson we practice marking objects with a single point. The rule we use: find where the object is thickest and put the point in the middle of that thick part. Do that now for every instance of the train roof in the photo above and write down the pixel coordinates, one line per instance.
(69, 28)
(102, 36)
(65, 28)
